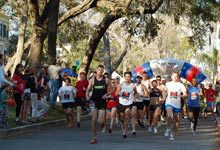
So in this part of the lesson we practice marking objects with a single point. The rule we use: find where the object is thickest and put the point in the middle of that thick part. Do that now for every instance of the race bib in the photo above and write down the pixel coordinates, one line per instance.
(125, 95)
(193, 96)
(173, 95)
(66, 96)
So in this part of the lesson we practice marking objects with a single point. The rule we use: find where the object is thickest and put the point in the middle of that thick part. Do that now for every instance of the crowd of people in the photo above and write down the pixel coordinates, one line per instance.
(145, 102)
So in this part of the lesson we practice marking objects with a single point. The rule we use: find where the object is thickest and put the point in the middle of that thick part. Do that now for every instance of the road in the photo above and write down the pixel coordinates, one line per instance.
(61, 138)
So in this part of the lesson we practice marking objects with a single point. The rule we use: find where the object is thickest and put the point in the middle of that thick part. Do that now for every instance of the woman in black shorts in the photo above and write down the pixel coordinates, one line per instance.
(155, 107)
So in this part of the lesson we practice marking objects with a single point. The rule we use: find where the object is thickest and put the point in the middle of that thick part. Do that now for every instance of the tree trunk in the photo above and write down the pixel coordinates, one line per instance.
(94, 40)
(16, 59)
(52, 28)
(106, 54)
(125, 45)
(36, 49)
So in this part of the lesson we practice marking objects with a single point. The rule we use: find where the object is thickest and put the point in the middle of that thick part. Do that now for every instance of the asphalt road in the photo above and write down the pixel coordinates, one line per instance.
(62, 138)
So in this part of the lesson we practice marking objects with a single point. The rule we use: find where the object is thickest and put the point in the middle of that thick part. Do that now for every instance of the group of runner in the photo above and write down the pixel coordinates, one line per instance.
(144, 101)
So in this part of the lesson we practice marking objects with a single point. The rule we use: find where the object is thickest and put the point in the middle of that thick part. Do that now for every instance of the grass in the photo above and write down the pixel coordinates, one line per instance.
(53, 114)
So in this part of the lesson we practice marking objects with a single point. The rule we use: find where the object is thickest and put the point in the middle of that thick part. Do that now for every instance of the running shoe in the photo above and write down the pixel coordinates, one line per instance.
(193, 133)
(94, 141)
(140, 124)
(78, 125)
(171, 136)
(124, 136)
(167, 132)
(109, 130)
(155, 130)
(149, 129)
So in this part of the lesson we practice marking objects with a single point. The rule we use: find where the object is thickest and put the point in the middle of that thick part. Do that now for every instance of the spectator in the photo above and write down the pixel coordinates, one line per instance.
(19, 90)
(53, 71)
(26, 97)
(4, 96)
(42, 107)
(34, 96)
(2, 73)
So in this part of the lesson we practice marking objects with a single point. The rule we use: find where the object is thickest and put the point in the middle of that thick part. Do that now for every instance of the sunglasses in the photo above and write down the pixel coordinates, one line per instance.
(112, 82)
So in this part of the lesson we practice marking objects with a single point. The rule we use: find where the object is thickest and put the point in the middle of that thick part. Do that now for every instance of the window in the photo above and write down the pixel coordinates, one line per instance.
(1, 30)
(4, 31)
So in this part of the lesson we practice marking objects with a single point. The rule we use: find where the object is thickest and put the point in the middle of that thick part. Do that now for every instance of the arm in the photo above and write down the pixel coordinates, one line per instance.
(135, 93)
(3, 80)
(91, 82)
(74, 92)
(184, 95)
(145, 90)
(118, 91)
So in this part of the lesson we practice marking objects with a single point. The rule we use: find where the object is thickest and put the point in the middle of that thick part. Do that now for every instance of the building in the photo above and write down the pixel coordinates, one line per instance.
(4, 26)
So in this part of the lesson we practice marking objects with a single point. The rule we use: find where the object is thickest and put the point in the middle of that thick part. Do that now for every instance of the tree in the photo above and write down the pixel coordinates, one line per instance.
(212, 62)
(23, 13)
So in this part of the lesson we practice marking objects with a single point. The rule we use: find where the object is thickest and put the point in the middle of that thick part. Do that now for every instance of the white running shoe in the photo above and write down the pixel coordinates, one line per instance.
(194, 133)
(155, 130)
(171, 136)
(167, 132)
(191, 126)
(149, 129)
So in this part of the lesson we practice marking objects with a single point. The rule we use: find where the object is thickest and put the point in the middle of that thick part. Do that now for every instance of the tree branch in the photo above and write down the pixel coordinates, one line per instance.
(34, 11)
(146, 11)
(87, 4)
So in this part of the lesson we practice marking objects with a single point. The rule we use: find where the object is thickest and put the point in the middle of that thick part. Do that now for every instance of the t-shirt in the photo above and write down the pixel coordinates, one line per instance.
(174, 90)
(193, 96)
(66, 93)
(127, 94)
(80, 86)
(210, 94)
(54, 72)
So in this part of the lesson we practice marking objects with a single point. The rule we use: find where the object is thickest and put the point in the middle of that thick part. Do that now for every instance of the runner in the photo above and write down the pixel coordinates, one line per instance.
(99, 86)
(155, 107)
(126, 99)
(210, 100)
(146, 81)
(81, 86)
(112, 104)
(67, 94)
(202, 101)
(193, 104)
(173, 103)
(163, 91)
(142, 93)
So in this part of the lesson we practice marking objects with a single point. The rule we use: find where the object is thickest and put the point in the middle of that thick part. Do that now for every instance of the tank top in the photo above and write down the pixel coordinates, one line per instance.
(99, 89)
(193, 96)
(155, 93)
(127, 94)
(140, 91)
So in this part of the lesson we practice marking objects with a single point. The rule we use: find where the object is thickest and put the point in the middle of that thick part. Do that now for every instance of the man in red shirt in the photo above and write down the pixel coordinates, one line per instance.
(210, 99)
(81, 86)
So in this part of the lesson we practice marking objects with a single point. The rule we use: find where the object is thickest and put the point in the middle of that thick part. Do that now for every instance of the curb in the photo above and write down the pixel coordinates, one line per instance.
(37, 127)
(218, 124)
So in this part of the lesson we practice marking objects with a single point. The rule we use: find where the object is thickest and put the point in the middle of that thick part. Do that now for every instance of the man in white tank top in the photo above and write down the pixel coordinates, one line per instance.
(137, 109)
(126, 92)
(146, 81)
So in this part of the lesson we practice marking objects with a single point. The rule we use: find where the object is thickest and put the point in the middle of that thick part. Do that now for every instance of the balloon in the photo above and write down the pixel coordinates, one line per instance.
(165, 68)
